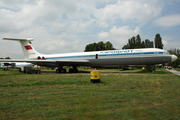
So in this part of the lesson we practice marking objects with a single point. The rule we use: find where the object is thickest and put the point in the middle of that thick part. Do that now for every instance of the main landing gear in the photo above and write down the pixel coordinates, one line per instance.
(73, 70)
(63, 70)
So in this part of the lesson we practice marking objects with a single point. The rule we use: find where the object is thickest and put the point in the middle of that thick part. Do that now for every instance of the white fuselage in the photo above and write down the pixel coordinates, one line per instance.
(148, 56)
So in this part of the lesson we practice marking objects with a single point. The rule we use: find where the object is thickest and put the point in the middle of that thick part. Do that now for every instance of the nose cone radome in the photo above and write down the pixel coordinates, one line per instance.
(173, 58)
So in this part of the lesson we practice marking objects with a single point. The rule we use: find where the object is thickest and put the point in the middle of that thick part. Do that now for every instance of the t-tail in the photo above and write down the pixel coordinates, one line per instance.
(28, 50)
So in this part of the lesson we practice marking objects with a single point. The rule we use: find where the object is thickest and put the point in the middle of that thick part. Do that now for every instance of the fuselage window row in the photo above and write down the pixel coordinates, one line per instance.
(97, 55)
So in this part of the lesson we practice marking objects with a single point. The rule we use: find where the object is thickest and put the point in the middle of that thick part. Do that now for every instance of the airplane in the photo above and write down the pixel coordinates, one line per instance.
(18, 65)
(111, 58)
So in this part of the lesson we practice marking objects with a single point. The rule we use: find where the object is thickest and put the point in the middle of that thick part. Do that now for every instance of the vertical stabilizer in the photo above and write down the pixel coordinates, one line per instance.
(27, 48)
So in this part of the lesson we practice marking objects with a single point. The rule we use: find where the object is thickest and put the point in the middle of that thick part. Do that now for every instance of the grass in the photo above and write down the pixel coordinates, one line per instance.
(132, 71)
(73, 96)
(177, 69)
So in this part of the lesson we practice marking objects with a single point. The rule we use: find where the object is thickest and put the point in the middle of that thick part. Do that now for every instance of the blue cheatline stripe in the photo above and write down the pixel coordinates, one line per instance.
(149, 53)
(101, 55)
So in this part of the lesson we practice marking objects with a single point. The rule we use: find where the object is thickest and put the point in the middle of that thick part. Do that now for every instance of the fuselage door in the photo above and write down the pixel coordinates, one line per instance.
(96, 57)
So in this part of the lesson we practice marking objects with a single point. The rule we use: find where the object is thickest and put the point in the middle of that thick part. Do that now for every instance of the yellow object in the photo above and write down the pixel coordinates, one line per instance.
(95, 76)
(143, 68)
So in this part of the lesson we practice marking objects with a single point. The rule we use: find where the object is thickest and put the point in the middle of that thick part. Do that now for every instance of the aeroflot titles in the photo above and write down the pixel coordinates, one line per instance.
(119, 51)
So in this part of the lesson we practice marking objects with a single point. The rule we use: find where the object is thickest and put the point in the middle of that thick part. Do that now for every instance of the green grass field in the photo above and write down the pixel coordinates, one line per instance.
(72, 96)
(134, 70)
(177, 69)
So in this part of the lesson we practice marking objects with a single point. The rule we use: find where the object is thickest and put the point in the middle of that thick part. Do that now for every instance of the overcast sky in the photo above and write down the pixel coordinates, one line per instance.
(64, 26)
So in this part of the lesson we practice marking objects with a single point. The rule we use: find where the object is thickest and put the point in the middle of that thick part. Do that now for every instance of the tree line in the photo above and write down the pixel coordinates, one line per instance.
(6, 58)
(135, 42)
(100, 46)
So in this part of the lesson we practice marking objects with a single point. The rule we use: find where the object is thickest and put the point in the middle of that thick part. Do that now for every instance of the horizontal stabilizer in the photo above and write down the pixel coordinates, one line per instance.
(19, 39)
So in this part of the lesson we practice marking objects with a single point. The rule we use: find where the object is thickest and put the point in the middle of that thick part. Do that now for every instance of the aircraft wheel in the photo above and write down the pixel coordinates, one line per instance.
(63, 70)
(70, 70)
(75, 70)
(58, 71)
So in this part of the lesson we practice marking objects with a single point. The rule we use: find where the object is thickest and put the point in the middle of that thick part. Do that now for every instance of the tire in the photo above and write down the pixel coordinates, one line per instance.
(57, 70)
(75, 70)
(70, 70)
(64, 70)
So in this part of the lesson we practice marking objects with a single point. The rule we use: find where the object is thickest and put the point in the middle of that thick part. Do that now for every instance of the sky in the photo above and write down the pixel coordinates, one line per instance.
(66, 26)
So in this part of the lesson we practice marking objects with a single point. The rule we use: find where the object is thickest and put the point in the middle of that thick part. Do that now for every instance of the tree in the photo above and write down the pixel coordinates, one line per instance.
(87, 48)
(95, 47)
(109, 46)
(133, 39)
(138, 41)
(99, 46)
(158, 41)
(135, 42)
(148, 43)
(130, 44)
(125, 47)
(7, 58)
(143, 44)
(91, 47)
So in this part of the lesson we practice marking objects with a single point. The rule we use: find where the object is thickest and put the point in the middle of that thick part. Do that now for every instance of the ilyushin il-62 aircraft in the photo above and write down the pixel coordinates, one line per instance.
(111, 58)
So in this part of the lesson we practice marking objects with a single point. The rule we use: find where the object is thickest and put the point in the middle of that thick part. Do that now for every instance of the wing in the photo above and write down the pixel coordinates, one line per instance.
(50, 63)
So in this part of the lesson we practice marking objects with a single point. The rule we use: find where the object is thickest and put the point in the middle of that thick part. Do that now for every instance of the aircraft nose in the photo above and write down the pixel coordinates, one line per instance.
(173, 58)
